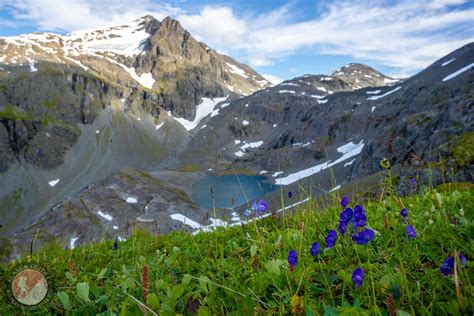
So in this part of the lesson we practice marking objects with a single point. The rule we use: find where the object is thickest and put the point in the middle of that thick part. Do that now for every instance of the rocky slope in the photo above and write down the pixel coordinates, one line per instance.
(90, 120)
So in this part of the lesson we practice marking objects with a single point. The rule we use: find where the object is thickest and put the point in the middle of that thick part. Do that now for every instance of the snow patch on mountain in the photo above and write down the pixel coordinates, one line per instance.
(457, 73)
(348, 150)
(236, 70)
(205, 108)
(448, 62)
(376, 97)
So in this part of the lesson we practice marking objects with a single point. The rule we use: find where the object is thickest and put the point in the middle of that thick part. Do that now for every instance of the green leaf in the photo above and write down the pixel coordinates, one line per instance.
(102, 274)
(160, 284)
(204, 311)
(253, 250)
(70, 278)
(178, 291)
(187, 279)
(102, 300)
(402, 313)
(153, 300)
(65, 300)
(273, 266)
(82, 290)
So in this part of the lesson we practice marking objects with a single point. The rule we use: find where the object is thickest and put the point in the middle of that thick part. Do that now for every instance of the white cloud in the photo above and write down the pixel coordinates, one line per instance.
(217, 26)
(273, 79)
(73, 15)
(405, 35)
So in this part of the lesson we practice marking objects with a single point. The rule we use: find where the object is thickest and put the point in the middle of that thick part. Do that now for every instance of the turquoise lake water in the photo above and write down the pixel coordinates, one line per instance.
(230, 190)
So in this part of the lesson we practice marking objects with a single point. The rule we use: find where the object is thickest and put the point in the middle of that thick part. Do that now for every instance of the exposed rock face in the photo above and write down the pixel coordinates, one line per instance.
(159, 56)
(124, 201)
(358, 76)
(304, 123)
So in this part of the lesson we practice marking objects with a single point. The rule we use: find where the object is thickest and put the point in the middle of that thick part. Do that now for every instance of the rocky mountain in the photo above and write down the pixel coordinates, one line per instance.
(109, 129)
(160, 58)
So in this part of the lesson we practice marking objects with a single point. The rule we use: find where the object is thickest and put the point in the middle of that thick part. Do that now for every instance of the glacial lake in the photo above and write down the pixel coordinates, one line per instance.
(230, 190)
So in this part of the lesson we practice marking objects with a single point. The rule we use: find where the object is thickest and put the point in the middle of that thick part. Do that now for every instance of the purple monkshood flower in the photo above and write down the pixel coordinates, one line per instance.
(360, 218)
(346, 215)
(261, 207)
(342, 228)
(344, 201)
(404, 212)
(404, 215)
(358, 277)
(448, 265)
(315, 249)
(116, 243)
(331, 239)
(292, 258)
(412, 180)
(66, 248)
(410, 232)
(290, 195)
(364, 236)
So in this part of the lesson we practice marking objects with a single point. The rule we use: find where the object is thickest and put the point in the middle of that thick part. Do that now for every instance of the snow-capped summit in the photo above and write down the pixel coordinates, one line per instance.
(135, 53)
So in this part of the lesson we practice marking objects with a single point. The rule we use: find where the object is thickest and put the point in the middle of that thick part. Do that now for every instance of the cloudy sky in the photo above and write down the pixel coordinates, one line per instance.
(279, 38)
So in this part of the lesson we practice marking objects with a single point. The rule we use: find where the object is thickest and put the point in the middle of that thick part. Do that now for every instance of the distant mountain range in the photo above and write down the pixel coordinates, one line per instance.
(107, 129)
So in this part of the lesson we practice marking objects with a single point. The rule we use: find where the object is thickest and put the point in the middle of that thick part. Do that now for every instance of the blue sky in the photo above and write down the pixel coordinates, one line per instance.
(276, 37)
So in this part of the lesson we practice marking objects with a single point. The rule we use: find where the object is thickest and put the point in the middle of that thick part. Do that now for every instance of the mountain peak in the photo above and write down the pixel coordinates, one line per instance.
(358, 76)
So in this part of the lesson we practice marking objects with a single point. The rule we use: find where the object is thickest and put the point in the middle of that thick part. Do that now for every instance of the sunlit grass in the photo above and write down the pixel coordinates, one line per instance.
(245, 269)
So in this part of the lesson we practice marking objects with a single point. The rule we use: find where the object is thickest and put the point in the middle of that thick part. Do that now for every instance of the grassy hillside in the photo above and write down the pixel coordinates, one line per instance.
(245, 270)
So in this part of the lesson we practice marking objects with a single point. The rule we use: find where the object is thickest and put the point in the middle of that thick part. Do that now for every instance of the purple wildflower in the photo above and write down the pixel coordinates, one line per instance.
(448, 265)
(292, 258)
(346, 215)
(364, 236)
(410, 232)
(315, 249)
(116, 243)
(342, 228)
(331, 239)
(404, 212)
(358, 277)
(261, 207)
(412, 180)
(290, 194)
(360, 218)
(344, 201)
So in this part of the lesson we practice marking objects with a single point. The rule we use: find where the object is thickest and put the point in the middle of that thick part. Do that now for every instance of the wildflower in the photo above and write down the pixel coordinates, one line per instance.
(342, 228)
(315, 249)
(66, 248)
(404, 212)
(290, 195)
(448, 265)
(360, 218)
(346, 215)
(292, 258)
(412, 180)
(115, 243)
(331, 239)
(410, 232)
(364, 236)
(344, 201)
(358, 277)
(261, 207)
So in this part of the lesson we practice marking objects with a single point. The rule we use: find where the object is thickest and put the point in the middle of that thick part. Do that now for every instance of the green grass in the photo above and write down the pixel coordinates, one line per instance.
(244, 270)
